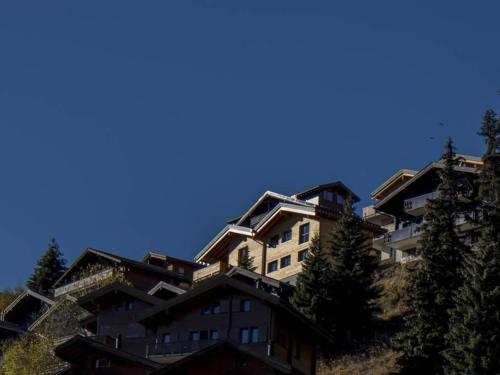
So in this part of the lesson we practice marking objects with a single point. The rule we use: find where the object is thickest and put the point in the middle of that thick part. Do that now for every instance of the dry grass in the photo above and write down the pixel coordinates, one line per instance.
(392, 281)
(375, 362)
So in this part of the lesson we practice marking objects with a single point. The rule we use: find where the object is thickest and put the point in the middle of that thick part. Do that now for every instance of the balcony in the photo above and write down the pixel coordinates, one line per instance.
(416, 206)
(404, 238)
(376, 217)
(177, 348)
(81, 285)
(210, 271)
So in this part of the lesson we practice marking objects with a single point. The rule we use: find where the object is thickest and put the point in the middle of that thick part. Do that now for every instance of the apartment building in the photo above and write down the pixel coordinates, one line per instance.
(276, 232)
(399, 207)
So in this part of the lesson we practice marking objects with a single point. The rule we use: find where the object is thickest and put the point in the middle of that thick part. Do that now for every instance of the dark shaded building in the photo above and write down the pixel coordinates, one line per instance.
(26, 309)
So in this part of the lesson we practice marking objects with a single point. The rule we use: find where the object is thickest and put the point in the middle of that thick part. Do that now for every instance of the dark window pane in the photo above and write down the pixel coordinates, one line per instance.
(304, 233)
(244, 336)
(255, 334)
(214, 334)
(287, 235)
(216, 308)
(166, 338)
(272, 266)
(194, 336)
(285, 261)
(303, 255)
(245, 305)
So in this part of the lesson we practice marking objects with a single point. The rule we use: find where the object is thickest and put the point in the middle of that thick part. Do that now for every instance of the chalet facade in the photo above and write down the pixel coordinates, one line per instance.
(400, 207)
(276, 232)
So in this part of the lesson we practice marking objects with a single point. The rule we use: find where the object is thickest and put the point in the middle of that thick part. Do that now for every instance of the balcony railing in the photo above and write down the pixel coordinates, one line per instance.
(420, 201)
(177, 348)
(412, 230)
(80, 285)
(210, 271)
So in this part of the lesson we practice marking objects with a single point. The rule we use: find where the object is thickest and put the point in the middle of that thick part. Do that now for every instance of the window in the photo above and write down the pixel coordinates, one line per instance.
(285, 261)
(214, 334)
(242, 254)
(287, 235)
(100, 363)
(166, 338)
(304, 233)
(215, 309)
(129, 305)
(245, 305)
(181, 270)
(302, 255)
(272, 266)
(254, 334)
(340, 199)
(205, 310)
(203, 335)
(328, 196)
(273, 241)
(244, 336)
(194, 336)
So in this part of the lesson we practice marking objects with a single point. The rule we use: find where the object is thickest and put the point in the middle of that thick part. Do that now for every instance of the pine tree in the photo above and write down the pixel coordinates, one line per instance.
(49, 269)
(351, 279)
(311, 294)
(475, 322)
(436, 278)
(246, 261)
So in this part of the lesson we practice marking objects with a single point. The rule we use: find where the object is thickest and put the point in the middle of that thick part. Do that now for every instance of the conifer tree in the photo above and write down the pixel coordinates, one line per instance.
(49, 269)
(351, 279)
(246, 261)
(475, 322)
(311, 294)
(436, 278)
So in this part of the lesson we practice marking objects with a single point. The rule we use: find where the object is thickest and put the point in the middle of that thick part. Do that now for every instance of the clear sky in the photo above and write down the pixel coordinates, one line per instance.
(144, 125)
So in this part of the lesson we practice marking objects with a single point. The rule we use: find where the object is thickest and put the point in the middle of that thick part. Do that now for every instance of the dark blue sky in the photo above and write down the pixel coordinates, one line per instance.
(135, 126)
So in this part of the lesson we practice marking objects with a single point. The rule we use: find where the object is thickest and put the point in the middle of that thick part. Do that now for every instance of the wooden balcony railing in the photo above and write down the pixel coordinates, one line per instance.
(210, 271)
(80, 285)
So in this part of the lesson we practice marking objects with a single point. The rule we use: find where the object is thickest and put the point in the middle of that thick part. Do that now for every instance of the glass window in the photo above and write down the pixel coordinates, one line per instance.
(166, 338)
(245, 305)
(273, 241)
(242, 253)
(216, 308)
(328, 196)
(302, 255)
(287, 235)
(255, 334)
(129, 305)
(304, 233)
(214, 334)
(194, 336)
(181, 270)
(205, 310)
(244, 336)
(340, 199)
(272, 266)
(285, 261)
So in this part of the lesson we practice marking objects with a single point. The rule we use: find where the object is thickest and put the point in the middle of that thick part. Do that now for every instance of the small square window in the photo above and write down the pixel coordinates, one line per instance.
(214, 334)
(340, 199)
(304, 233)
(215, 308)
(244, 336)
(273, 241)
(328, 196)
(181, 270)
(245, 305)
(129, 306)
(166, 338)
(205, 310)
(272, 266)
(302, 255)
(287, 235)
(194, 336)
(285, 261)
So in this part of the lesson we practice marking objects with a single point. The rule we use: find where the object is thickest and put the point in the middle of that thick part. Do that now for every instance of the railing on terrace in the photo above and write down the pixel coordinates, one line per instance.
(420, 201)
(82, 284)
(405, 233)
(210, 271)
(186, 347)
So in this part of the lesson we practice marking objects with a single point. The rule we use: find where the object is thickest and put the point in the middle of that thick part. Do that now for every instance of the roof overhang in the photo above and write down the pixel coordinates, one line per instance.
(401, 174)
(228, 230)
(279, 210)
(165, 286)
(20, 299)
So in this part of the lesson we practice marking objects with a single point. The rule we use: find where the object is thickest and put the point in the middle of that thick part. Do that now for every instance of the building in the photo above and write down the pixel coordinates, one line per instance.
(276, 231)
(225, 308)
(400, 207)
(26, 309)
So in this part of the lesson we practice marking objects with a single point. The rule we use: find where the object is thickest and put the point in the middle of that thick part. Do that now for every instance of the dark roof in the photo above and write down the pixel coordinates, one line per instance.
(75, 349)
(162, 285)
(122, 260)
(88, 300)
(20, 300)
(337, 185)
(224, 281)
(224, 347)
(171, 258)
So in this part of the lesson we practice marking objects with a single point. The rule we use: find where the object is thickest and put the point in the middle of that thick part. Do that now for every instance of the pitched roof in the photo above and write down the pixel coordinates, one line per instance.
(224, 281)
(338, 185)
(284, 207)
(390, 180)
(165, 257)
(165, 286)
(88, 300)
(121, 260)
(28, 293)
(224, 347)
(228, 229)
(75, 349)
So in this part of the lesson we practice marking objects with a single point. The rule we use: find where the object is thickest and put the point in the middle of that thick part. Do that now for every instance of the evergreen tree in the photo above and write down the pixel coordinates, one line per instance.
(246, 261)
(475, 322)
(436, 278)
(351, 278)
(311, 294)
(49, 269)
